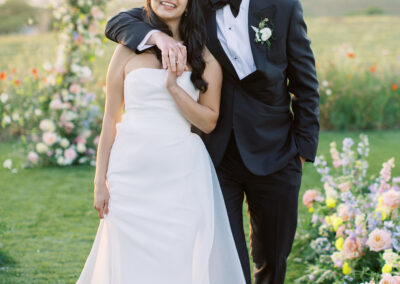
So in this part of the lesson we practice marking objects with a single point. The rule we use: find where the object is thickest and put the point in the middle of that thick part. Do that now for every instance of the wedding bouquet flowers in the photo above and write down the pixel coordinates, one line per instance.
(354, 227)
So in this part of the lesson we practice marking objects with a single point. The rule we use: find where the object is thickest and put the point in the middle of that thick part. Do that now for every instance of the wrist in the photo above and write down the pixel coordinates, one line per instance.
(99, 182)
(154, 38)
(173, 87)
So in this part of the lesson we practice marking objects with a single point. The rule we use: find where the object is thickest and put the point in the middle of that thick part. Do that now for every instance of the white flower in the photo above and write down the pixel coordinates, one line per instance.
(4, 98)
(81, 147)
(265, 34)
(325, 83)
(49, 138)
(7, 120)
(60, 161)
(7, 164)
(15, 116)
(328, 92)
(14, 171)
(41, 148)
(258, 39)
(47, 125)
(64, 143)
(38, 112)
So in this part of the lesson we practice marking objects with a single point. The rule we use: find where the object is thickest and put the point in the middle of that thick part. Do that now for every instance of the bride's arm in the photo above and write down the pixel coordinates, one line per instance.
(203, 114)
(112, 115)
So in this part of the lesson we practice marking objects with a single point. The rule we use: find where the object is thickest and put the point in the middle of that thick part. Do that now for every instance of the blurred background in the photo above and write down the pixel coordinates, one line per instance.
(47, 222)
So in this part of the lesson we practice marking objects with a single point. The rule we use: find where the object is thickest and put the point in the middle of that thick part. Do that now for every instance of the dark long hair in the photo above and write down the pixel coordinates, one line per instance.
(193, 33)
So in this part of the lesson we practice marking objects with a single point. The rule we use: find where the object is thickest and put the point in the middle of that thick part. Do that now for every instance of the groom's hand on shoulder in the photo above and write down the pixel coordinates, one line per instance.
(174, 54)
(303, 160)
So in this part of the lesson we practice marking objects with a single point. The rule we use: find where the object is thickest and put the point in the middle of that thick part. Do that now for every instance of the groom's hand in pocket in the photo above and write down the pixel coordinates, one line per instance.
(303, 160)
(101, 199)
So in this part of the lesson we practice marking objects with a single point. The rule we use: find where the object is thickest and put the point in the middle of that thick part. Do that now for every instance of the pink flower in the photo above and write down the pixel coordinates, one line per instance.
(340, 231)
(379, 240)
(391, 199)
(345, 213)
(69, 126)
(80, 139)
(352, 248)
(75, 88)
(56, 104)
(93, 30)
(309, 197)
(70, 154)
(49, 138)
(33, 157)
(97, 13)
(389, 279)
(345, 186)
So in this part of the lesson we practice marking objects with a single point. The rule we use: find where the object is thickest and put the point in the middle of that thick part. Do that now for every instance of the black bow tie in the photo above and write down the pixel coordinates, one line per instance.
(235, 5)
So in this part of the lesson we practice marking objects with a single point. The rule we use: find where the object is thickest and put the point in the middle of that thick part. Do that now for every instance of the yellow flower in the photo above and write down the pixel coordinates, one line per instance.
(328, 220)
(380, 201)
(383, 215)
(337, 221)
(346, 269)
(387, 268)
(339, 243)
(330, 202)
(311, 210)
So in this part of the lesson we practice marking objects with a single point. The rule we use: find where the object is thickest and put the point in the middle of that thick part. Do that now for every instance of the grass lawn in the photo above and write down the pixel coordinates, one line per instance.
(47, 222)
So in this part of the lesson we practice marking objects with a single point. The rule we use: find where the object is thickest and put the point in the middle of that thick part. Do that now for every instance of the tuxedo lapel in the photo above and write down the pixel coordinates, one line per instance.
(259, 10)
(215, 45)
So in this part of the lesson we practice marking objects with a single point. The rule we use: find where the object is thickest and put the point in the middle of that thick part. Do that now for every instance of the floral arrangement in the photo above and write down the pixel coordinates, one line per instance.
(353, 230)
(66, 132)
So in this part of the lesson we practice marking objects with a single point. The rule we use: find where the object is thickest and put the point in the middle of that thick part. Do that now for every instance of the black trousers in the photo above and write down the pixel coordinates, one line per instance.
(272, 202)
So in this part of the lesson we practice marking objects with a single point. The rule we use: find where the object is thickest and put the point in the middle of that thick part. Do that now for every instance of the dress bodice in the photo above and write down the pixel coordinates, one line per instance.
(149, 105)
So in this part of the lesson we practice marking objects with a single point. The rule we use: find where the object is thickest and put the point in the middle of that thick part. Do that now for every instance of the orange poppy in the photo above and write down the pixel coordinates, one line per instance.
(14, 70)
(372, 69)
(2, 75)
(394, 87)
(17, 82)
(351, 54)
(34, 71)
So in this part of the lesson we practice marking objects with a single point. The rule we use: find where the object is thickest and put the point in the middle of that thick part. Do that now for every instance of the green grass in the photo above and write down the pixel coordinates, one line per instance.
(49, 224)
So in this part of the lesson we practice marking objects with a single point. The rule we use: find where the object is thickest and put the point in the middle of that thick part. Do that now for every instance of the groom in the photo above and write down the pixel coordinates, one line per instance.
(264, 133)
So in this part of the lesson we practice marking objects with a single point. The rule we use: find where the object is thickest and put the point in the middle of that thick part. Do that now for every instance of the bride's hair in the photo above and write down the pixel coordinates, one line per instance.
(192, 32)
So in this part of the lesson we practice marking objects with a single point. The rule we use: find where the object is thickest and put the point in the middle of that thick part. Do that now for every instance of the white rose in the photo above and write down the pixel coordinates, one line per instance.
(81, 147)
(4, 98)
(7, 164)
(64, 143)
(265, 34)
(41, 148)
(60, 161)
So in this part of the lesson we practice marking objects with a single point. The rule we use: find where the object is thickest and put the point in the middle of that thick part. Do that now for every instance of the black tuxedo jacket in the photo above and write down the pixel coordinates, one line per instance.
(270, 126)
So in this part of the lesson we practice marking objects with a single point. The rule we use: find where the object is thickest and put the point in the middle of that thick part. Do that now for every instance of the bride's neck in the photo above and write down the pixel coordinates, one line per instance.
(174, 28)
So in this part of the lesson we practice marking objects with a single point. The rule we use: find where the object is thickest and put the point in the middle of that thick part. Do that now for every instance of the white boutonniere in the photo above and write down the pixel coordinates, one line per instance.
(263, 33)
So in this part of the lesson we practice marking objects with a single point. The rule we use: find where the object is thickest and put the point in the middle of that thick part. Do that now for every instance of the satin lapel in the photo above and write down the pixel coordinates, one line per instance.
(215, 45)
(258, 10)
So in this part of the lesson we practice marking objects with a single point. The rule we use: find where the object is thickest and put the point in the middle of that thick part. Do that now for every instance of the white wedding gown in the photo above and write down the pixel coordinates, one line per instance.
(167, 221)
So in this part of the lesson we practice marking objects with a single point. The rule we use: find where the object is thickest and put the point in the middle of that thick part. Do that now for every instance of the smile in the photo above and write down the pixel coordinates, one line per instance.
(168, 4)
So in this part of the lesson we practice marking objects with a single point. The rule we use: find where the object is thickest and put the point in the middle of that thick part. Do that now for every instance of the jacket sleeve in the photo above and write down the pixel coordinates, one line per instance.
(128, 28)
(303, 84)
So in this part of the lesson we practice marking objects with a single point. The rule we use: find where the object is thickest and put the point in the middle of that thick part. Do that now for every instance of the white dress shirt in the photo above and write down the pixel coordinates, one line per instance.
(233, 33)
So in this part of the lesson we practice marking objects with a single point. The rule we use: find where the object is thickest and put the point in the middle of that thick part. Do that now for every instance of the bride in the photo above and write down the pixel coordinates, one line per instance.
(162, 214)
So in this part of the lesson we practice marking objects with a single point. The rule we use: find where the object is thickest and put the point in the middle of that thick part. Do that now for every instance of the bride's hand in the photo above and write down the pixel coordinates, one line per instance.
(101, 199)
(170, 80)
